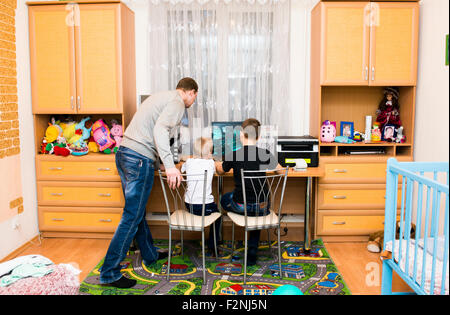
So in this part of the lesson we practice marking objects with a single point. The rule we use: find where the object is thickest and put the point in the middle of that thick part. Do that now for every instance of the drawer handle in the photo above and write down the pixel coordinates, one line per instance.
(339, 223)
(56, 194)
(340, 171)
(57, 219)
(103, 169)
(105, 220)
(104, 195)
(55, 168)
(339, 197)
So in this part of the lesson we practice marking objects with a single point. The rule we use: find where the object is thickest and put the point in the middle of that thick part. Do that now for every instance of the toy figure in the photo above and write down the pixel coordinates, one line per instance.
(358, 137)
(327, 131)
(53, 131)
(388, 110)
(82, 133)
(400, 138)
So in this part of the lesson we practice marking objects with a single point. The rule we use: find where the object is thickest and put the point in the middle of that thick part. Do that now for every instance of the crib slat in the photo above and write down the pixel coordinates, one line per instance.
(418, 226)
(445, 261)
(409, 191)
(425, 237)
(402, 216)
(436, 204)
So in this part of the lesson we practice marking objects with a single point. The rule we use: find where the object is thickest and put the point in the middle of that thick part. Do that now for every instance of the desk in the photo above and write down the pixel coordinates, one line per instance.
(311, 174)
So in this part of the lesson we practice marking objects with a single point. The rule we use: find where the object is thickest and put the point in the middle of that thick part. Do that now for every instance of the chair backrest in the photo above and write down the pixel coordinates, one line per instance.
(263, 191)
(176, 199)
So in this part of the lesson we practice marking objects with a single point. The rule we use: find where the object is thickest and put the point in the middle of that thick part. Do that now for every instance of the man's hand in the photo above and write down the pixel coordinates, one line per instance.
(173, 177)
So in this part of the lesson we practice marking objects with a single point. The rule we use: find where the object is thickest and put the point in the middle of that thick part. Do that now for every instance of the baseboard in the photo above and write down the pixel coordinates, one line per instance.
(16, 252)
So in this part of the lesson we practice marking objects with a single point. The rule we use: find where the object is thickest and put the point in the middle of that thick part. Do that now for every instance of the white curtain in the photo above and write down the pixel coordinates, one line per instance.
(237, 51)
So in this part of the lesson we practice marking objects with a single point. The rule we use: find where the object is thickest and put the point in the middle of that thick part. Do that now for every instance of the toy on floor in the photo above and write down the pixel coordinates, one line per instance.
(102, 136)
(287, 289)
(328, 131)
(376, 239)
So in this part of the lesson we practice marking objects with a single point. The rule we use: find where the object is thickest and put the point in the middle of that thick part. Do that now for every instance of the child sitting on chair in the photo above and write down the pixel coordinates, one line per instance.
(201, 161)
(250, 158)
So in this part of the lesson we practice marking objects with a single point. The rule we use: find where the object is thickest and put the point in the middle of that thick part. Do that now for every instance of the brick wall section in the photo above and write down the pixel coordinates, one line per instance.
(9, 116)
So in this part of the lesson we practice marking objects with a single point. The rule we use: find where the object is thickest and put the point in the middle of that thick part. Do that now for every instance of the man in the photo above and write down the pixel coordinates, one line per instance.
(146, 138)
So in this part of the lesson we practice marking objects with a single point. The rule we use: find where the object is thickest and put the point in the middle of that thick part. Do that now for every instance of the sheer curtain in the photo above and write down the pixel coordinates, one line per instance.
(237, 51)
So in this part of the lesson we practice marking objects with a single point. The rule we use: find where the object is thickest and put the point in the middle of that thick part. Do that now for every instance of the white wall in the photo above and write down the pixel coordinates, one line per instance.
(11, 239)
(432, 102)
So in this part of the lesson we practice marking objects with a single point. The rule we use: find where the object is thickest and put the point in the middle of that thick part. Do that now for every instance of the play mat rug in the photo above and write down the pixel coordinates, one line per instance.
(314, 273)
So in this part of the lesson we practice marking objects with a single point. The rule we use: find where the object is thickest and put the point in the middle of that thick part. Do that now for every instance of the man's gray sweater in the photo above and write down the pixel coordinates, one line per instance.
(152, 125)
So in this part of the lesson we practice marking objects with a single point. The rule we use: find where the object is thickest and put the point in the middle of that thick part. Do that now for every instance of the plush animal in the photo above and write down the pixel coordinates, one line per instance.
(376, 239)
(327, 131)
(102, 135)
(53, 131)
(400, 138)
(343, 139)
(82, 133)
(117, 132)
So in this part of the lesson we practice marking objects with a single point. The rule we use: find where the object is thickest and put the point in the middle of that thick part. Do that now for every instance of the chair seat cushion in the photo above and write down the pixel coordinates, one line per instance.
(270, 219)
(182, 218)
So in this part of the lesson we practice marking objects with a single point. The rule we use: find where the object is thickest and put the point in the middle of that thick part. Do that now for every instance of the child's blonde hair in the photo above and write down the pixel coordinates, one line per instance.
(203, 147)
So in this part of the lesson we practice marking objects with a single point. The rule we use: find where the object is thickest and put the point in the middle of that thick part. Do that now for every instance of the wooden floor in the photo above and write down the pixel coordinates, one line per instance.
(360, 269)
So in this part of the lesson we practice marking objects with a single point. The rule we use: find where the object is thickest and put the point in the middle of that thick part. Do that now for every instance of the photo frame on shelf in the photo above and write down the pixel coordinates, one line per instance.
(347, 129)
(389, 133)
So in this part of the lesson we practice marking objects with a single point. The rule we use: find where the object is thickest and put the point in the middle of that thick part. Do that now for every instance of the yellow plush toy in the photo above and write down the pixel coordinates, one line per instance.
(53, 131)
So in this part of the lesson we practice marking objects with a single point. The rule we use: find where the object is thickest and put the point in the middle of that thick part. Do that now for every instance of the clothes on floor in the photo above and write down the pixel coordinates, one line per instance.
(24, 267)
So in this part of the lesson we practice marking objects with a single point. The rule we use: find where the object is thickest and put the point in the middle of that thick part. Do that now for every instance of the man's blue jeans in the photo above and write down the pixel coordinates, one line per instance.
(228, 204)
(136, 174)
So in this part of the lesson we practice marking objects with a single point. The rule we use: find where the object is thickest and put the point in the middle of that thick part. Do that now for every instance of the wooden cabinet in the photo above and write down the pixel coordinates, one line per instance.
(80, 57)
(368, 43)
(82, 64)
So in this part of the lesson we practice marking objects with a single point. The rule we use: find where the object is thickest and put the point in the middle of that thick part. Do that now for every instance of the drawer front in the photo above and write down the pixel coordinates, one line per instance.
(77, 170)
(79, 221)
(354, 173)
(345, 223)
(353, 197)
(80, 194)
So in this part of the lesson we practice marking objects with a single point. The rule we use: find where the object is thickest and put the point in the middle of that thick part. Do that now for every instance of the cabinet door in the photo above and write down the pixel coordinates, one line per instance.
(345, 46)
(52, 59)
(97, 39)
(394, 40)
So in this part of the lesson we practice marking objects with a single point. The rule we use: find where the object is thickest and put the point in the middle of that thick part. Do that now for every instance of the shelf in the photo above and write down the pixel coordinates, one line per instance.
(373, 144)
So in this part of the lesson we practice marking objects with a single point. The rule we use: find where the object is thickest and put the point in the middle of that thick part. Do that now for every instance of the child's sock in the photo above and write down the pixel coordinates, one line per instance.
(123, 283)
(162, 255)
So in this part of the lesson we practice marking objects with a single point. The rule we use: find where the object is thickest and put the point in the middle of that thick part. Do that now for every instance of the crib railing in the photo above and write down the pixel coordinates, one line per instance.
(424, 201)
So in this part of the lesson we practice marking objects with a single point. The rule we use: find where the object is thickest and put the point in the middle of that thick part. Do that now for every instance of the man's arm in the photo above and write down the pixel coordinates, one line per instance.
(219, 168)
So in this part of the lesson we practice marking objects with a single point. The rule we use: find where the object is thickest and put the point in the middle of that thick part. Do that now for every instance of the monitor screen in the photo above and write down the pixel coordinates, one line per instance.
(226, 137)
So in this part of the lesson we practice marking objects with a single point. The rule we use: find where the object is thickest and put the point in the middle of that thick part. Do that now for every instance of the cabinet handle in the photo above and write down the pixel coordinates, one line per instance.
(105, 220)
(79, 102)
(57, 219)
(104, 195)
(56, 194)
(339, 197)
(366, 78)
(103, 169)
(55, 168)
(340, 171)
(71, 101)
(373, 73)
(339, 223)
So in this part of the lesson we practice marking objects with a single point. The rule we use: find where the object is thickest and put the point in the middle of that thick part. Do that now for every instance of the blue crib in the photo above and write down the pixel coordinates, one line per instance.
(422, 260)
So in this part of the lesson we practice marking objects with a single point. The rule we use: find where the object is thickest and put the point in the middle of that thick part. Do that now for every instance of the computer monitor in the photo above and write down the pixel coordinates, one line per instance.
(226, 137)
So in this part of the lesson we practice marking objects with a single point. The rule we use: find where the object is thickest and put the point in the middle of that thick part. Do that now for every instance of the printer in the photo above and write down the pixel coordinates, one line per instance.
(290, 148)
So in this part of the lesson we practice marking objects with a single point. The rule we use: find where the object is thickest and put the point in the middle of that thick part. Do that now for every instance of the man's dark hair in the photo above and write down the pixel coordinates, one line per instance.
(251, 128)
(187, 84)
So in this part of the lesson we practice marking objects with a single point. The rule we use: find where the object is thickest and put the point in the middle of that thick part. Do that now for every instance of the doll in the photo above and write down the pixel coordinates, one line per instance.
(388, 110)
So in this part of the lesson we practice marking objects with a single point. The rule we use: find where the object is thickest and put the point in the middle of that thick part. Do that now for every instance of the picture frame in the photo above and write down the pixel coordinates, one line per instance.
(389, 133)
(347, 129)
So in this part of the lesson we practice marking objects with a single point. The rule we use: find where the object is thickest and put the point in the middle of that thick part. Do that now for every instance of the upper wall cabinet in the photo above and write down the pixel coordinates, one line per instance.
(77, 58)
(368, 43)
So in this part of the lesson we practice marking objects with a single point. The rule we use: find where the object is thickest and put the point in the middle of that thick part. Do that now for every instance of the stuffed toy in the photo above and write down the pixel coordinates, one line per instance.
(400, 138)
(343, 139)
(102, 135)
(117, 132)
(82, 133)
(376, 239)
(327, 131)
(92, 145)
(53, 131)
